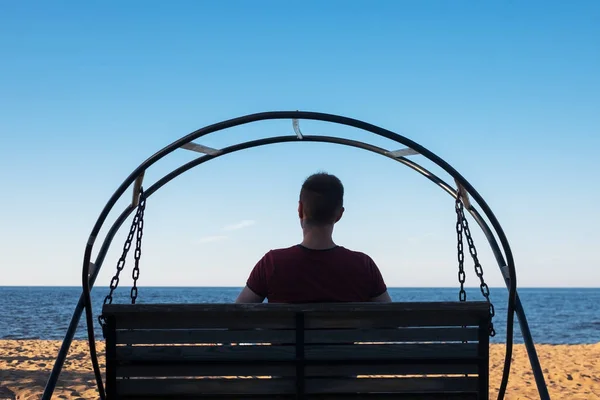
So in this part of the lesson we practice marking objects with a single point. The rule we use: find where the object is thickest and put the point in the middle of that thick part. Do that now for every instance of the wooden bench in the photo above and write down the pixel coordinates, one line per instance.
(321, 351)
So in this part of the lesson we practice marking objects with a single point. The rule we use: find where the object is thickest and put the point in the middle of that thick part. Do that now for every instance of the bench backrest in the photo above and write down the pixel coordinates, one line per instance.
(423, 350)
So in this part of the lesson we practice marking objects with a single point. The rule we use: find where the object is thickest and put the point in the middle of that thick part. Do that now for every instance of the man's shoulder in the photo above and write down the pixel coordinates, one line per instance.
(284, 250)
(356, 254)
(297, 250)
(281, 252)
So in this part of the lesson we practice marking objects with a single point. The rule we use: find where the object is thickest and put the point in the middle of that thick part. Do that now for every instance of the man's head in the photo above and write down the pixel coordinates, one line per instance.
(321, 200)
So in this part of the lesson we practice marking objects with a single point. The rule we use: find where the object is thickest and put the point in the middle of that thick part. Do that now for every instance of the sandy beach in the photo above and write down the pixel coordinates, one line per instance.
(572, 371)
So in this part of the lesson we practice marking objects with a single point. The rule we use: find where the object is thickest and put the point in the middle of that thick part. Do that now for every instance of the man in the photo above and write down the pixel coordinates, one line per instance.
(316, 270)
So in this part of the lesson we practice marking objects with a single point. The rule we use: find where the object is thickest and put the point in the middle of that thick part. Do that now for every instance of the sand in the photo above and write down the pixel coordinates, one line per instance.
(572, 371)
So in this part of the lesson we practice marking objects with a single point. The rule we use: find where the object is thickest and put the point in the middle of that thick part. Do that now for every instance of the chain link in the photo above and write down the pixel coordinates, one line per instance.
(462, 294)
(136, 224)
(138, 246)
(114, 282)
(485, 290)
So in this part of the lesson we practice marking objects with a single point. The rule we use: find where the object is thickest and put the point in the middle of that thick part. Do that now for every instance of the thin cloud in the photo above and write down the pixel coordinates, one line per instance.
(422, 238)
(211, 239)
(240, 225)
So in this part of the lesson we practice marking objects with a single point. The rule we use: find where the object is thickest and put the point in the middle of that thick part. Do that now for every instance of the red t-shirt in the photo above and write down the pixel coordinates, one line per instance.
(301, 275)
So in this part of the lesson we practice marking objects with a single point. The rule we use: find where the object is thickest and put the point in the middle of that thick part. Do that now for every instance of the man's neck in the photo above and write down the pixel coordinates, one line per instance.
(317, 238)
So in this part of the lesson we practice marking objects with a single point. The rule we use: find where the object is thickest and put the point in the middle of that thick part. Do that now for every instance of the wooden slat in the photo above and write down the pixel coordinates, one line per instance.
(152, 336)
(395, 396)
(368, 396)
(316, 320)
(348, 315)
(312, 352)
(381, 319)
(205, 353)
(212, 369)
(390, 335)
(123, 309)
(412, 368)
(392, 351)
(212, 320)
(185, 387)
(406, 385)
(289, 370)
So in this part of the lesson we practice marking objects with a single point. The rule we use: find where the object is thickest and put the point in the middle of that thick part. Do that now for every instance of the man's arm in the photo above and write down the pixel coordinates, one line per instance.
(248, 296)
(380, 293)
(257, 281)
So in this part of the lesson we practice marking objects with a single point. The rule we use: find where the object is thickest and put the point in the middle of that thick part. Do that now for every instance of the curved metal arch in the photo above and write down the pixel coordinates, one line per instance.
(256, 143)
(312, 116)
(346, 142)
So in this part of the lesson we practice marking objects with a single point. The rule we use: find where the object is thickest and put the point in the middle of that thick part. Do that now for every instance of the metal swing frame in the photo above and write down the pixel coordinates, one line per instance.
(466, 192)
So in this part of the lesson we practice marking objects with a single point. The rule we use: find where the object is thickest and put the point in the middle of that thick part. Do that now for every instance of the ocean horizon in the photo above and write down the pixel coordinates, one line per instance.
(555, 315)
(240, 287)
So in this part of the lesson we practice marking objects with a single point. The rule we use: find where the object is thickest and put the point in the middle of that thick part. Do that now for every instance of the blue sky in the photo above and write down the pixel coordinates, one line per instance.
(508, 93)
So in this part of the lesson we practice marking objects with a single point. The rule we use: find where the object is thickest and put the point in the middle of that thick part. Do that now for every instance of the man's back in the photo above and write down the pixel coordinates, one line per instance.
(316, 270)
(301, 275)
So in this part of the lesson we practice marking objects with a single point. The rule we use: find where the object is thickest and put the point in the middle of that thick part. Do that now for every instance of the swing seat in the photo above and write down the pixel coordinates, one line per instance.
(434, 350)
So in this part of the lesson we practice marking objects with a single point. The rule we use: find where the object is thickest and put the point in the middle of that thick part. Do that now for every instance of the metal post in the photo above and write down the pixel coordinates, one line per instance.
(531, 352)
(525, 332)
(66, 344)
(79, 308)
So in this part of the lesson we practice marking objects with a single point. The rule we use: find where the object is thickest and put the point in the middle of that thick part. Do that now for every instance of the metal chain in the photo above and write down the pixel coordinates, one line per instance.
(485, 290)
(462, 294)
(114, 282)
(138, 246)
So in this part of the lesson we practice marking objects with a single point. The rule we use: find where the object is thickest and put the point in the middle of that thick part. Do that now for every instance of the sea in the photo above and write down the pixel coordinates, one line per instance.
(555, 316)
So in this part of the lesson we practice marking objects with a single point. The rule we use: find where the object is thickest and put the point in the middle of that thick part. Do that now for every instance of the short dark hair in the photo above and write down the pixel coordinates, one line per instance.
(322, 197)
